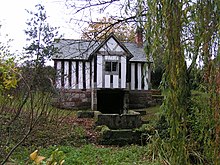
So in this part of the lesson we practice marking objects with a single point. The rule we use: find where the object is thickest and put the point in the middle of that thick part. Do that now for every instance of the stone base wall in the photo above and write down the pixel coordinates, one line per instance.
(140, 99)
(81, 99)
(73, 99)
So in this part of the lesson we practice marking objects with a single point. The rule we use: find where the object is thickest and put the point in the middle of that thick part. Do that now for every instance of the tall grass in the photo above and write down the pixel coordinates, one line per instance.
(22, 115)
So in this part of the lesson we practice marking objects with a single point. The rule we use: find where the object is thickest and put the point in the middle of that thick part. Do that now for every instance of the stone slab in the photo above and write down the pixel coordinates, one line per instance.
(123, 121)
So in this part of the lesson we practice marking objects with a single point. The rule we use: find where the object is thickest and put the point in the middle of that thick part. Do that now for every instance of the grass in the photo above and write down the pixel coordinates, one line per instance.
(103, 155)
(77, 139)
(151, 114)
(93, 155)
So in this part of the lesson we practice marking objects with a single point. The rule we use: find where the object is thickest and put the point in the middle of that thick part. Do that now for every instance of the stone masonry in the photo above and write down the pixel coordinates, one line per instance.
(73, 99)
(139, 99)
(82, 99)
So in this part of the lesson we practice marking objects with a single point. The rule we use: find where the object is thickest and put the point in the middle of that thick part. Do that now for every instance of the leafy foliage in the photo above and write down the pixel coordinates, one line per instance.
(8, 70)
(179, 30)
(156, 77)
(57, 157)
(103, 27)
(43, 81)
(41, 37)
(8, 74)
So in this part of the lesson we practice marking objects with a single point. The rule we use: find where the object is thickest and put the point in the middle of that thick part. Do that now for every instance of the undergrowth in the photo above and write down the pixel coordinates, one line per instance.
(92, 155)
(77, 138)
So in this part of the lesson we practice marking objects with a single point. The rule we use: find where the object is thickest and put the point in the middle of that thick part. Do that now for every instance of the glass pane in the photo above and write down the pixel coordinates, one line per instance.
(114, 66)
(108, 66)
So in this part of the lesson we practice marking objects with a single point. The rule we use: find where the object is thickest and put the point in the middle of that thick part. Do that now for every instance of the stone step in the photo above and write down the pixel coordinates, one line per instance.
(117, 121)
(121, 137)
(142, 112)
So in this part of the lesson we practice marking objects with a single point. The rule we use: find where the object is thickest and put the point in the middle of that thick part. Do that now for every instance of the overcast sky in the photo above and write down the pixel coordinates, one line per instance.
(13, 17)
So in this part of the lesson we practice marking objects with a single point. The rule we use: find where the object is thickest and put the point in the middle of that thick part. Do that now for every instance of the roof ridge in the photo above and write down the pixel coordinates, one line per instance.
(84, 40)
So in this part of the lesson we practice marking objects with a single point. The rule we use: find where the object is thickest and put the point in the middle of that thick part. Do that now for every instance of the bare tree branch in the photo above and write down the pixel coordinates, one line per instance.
(90, 5)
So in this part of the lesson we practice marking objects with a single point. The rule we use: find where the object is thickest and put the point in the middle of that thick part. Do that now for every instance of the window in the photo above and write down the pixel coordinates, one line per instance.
(114, 66)
(111, 66)
(108, 66)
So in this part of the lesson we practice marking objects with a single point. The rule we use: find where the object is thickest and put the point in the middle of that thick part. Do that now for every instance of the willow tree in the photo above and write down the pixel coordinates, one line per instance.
(185, 30)
(208, 20)
(165, 24)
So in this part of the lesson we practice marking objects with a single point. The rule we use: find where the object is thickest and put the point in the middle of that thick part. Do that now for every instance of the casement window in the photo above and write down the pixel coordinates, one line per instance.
(111, 67)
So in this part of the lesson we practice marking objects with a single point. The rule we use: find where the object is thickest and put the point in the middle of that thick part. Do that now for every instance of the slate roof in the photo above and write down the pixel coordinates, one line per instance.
(75, 49)
(137, 52)
(82, 49)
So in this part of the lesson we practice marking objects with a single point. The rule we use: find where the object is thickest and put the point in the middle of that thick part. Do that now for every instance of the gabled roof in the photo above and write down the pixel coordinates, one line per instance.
(118, 42)
(85, 49)
(75, 49)
(138, 52)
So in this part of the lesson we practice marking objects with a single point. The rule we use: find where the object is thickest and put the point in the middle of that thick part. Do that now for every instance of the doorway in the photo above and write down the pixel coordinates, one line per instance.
(110, 101)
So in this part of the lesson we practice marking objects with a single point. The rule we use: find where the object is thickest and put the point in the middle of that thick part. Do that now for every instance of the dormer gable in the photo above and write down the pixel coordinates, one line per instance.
(112, 46)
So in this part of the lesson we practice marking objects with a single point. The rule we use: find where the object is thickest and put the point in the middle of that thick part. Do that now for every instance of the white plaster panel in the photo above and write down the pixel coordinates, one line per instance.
(58, 79)
(145, 72)
(123, 72)
(113, 58)
(118, 49)
(139, 76)
(80, 84)
(66, 74)
(132, 76)
(111, 45)
(115, 81)
(73, 77)
(92, 78)
(107, 81)
(99, 71)
(87, 71)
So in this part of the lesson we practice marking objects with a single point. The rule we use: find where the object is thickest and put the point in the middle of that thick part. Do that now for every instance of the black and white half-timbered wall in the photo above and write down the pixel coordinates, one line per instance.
(108, 76)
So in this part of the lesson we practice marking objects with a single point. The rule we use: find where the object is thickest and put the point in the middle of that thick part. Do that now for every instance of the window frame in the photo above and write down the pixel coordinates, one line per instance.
(111, 71)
